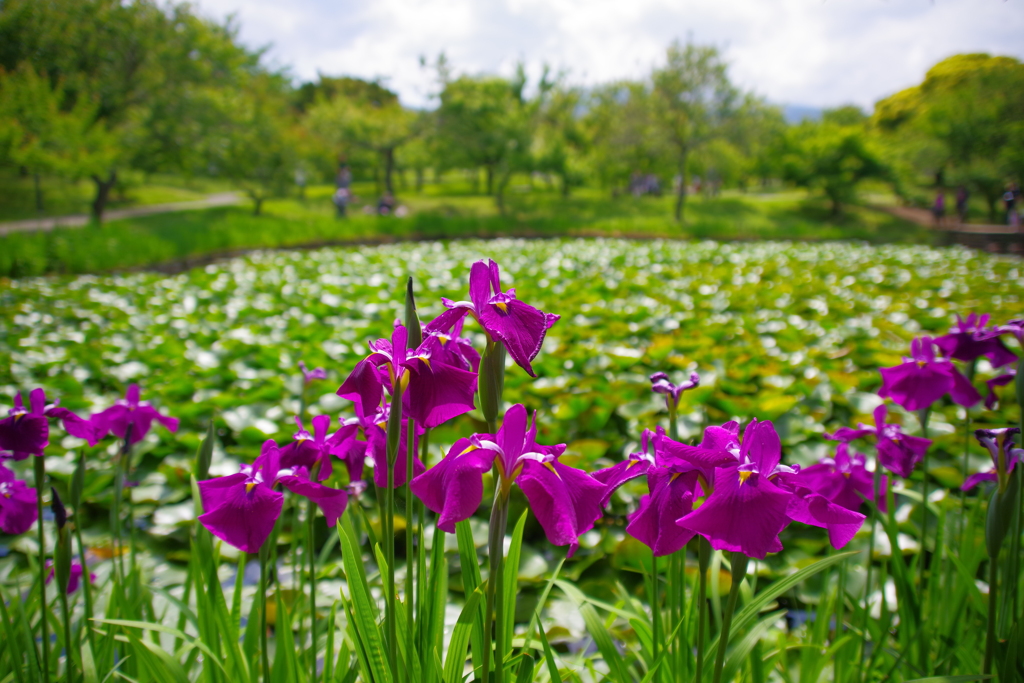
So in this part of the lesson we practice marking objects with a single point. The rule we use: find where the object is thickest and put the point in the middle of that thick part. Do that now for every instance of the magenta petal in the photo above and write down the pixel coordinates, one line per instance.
(762, 445)
(377, 446)
(900, 456)
(17, 504)
(679, 457)
(914, 386)
(962, 392)
(618, 474)
(816, 510)
(520, 326)
(746, 518)
(454, 488)
(331, 501)
(848, 434)
(654, 522)
(243, 519)
(566, 501)
(76, 426)
(439, 392)
(24, 434)
(976, 479)
(480, 285)
(363, 386)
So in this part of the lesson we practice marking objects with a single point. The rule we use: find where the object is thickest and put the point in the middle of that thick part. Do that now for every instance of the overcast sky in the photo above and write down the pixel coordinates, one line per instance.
(806, 52)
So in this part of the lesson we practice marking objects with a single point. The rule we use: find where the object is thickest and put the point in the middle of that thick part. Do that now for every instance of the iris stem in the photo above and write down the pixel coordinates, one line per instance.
(871, 556)
(310, 551)
(971, 368)
(410, 451)
(389, 555)
(86, 582)
(703, 560)
(655, 611)
(264, 650)
(739, 570)
(993, 607)
(495, 555)
(66, 616)
(40, 471)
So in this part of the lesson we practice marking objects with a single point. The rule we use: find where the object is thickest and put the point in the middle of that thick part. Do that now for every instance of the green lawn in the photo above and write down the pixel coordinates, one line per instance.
(444, 212)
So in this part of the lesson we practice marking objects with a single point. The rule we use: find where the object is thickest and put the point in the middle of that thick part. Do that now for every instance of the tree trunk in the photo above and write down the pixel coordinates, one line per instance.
(565, 186)
(257, 205)
(389, 170)
(681, 192)
(103, 188)
(39, 192)
(419, 180)
(836, 207)
(490, 179)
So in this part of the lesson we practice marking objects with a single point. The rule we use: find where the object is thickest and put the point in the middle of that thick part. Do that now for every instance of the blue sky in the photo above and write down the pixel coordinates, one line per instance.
(809, 52)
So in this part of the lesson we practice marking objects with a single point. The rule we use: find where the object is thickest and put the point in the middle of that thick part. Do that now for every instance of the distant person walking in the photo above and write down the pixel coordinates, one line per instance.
(1010, 200)
(939, 207)
(962, 197)
(342, 193)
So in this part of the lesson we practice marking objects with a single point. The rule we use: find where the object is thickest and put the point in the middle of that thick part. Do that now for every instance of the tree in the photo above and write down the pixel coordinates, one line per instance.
(964, 122)
(379, 124)
(148, 69)
(486, 122)
(560, 139)
(254, 145)
(38, 134)
(619, 122)
(692, 99)
(832, 158)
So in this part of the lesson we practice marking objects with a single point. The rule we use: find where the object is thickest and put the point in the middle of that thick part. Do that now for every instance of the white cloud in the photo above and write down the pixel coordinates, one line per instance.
(812, 52)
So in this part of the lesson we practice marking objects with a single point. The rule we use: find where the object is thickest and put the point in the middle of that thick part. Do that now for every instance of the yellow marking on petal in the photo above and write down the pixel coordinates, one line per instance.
(631, 463)
(551, 467)
(744, 475)
(470, 449)
(382, 424)
(921, 363)
(443, 339)
(248, 487)
(503, 306)
(18, 416)
(675, 475)
(405, 380)
(847, 474)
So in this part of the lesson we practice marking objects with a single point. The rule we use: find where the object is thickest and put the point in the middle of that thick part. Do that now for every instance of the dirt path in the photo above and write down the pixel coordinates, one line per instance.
(924, 217)
(77, 221)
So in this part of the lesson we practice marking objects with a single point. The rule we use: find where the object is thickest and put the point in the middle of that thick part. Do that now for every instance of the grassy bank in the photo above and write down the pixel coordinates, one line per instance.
(187, 236)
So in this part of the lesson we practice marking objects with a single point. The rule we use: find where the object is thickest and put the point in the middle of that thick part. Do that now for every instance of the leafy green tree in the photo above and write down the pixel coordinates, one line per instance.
(692, 100)
(560, 140)
(486, 122)
(624, 138)
(832, 158)
(38, 134)
(150, 71)
(963, 123)
(378, 124)
(255, 143)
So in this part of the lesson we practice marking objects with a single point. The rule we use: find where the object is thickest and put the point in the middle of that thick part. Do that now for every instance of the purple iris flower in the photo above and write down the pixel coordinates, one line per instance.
(660, 384)
(27, 431)
(1014, 327)
(897, 452)
(566, 501)
(972, 338)
(844, 480)
(924, 378)
(745, 511)
(435, 391)
(17, 504)
(241, 509)
(632, 467)
(450, 346)
(998, 381)
(505, 318)
(1005, 456)
(131, 411)
(314, 451)
(375, 427)
(671, 484)
(311, 375)
(74, 577)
